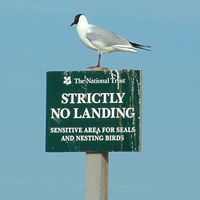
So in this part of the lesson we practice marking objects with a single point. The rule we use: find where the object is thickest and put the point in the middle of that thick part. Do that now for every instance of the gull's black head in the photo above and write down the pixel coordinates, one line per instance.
(76, 19)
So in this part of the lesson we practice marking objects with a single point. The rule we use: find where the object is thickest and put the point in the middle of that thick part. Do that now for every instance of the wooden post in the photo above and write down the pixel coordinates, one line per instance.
(97, 176)
(97, 169)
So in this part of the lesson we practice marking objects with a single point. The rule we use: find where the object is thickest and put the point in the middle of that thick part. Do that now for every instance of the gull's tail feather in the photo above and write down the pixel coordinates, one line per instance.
(140, 46)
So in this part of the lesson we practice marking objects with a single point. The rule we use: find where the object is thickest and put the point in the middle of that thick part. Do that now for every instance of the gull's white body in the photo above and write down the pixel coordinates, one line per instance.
(102, 40)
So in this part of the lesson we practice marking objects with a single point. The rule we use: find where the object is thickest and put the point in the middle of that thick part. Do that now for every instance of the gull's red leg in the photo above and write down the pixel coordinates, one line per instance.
(99, 60)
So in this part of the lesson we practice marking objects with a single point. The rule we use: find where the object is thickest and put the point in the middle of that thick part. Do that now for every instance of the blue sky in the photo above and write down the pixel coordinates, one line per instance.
(36, 38)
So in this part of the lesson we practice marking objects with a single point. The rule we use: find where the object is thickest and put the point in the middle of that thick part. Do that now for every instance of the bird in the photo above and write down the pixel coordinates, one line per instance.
(102, 40)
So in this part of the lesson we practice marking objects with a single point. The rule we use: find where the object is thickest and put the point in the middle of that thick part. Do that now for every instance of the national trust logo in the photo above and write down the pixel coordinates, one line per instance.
(67, 80)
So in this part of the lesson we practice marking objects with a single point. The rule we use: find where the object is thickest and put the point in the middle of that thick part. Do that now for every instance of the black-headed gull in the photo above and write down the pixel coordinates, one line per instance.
(102, 40)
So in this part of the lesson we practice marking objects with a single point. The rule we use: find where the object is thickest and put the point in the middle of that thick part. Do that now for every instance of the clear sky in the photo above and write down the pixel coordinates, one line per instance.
(36, 37)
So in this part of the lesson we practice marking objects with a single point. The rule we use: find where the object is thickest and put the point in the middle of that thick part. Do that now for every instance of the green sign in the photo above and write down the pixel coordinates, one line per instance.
(93, 111)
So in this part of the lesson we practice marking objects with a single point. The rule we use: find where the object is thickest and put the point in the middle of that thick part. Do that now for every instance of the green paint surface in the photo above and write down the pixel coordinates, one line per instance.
(93, 111)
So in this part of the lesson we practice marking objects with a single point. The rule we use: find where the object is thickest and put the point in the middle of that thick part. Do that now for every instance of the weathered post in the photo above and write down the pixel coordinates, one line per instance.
(97, 176)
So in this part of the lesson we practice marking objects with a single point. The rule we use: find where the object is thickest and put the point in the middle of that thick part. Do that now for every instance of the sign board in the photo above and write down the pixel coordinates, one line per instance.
(93, 111)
